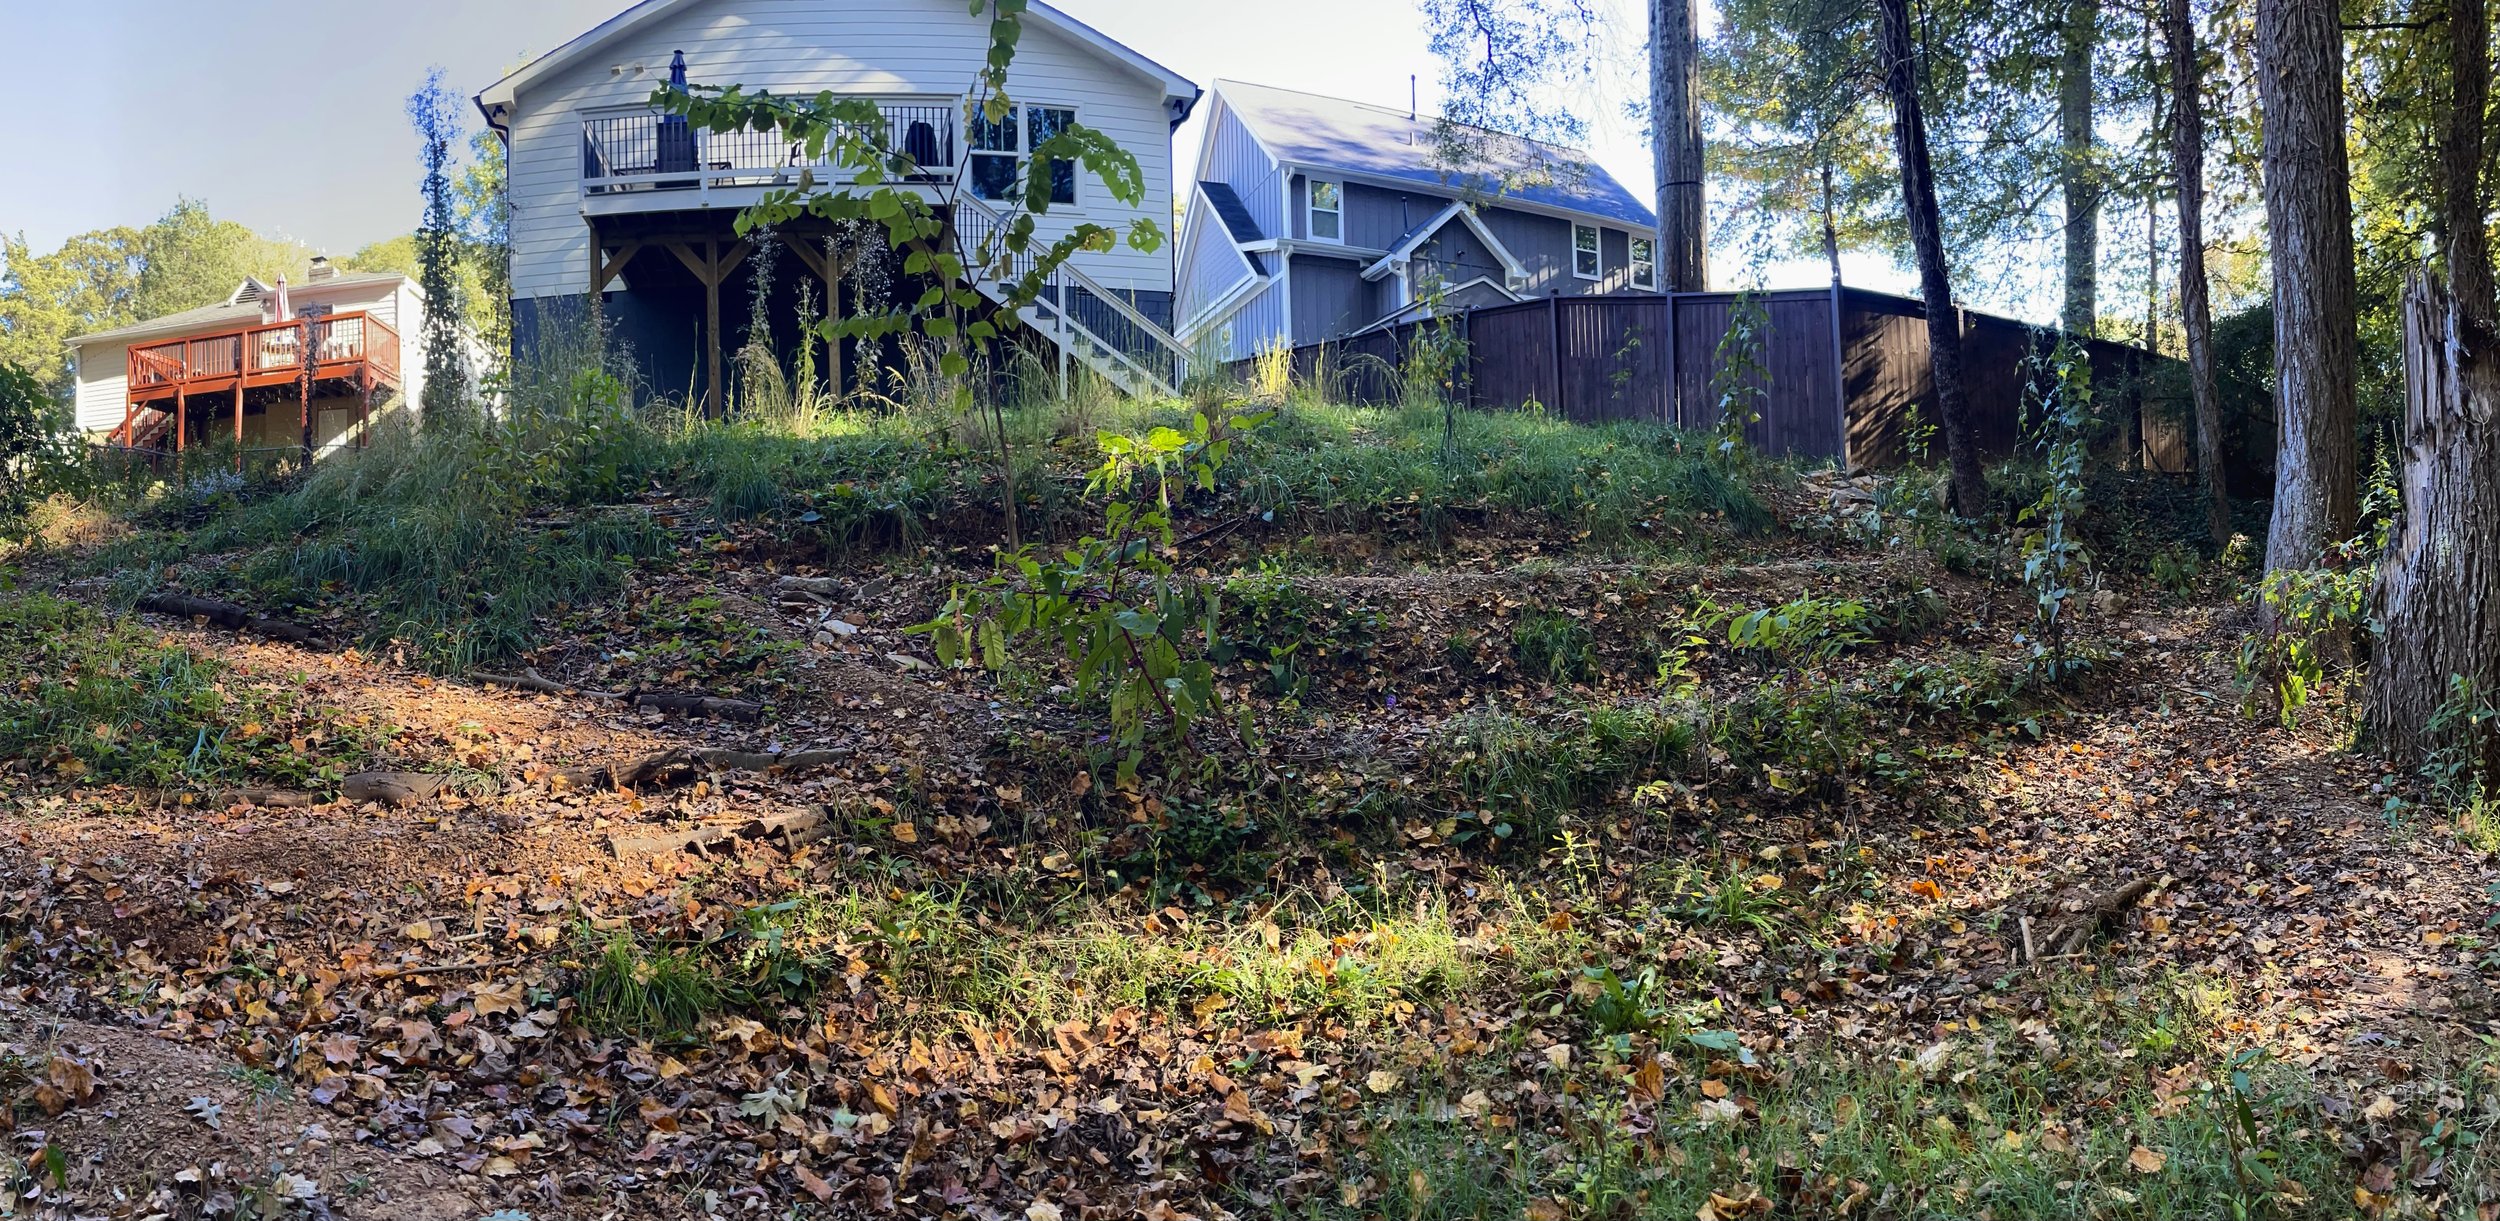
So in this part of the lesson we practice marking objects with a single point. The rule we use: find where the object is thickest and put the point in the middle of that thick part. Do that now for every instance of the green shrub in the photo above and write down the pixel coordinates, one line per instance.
(662, 995)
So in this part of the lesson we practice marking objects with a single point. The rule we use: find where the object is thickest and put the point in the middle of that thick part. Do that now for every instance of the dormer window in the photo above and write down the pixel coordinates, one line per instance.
(1327, 211)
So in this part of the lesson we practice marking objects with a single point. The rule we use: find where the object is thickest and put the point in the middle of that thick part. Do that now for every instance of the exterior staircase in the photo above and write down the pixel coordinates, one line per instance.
(1095, 325)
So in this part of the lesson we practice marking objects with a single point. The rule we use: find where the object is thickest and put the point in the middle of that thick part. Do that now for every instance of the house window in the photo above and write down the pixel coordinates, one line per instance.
(992, 146)
(1043, 123)
(995, 148)
(1644, 262)
(1584, 263)
(1327, 211)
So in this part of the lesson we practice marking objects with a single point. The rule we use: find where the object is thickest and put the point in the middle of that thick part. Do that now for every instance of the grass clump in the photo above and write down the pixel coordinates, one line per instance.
(1523, 776)
(110, 700)
(663, 995)
(1556, 647)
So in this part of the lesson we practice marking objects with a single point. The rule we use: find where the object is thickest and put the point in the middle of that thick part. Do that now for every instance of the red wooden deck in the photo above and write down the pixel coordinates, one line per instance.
(357, 349)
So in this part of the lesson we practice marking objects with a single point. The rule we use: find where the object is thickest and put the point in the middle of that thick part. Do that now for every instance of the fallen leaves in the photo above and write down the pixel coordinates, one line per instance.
(2147, 1161)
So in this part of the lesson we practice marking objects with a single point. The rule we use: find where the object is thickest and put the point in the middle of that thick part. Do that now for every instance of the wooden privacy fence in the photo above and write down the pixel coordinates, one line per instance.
(1843, 371)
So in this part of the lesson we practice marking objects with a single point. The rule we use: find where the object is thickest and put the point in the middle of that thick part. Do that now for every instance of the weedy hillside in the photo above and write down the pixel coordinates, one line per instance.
(593, 810)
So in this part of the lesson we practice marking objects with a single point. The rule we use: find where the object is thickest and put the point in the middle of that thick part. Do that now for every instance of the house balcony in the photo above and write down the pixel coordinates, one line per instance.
(641, 160)
(345, 347)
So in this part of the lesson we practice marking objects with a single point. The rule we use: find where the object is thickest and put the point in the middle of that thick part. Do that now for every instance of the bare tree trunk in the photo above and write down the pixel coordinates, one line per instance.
(2187, 165)
(1675, 145)
(1918, 200)
(1831, 231)
(2300, 79)
(2078, 178)
(2439, 583)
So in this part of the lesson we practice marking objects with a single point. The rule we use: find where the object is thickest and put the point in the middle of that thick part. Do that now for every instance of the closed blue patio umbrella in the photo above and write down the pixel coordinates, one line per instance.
(676, 152)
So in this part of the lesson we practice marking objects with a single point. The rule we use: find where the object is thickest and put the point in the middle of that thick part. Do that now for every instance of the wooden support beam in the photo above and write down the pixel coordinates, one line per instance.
(711, 327)
(130, 422)
(180, 403)
(606, 267)
(238, 423)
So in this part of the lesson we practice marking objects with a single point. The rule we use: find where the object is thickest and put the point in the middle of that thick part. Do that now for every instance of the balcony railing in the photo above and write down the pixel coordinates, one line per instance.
(649, 151)
(265, 354)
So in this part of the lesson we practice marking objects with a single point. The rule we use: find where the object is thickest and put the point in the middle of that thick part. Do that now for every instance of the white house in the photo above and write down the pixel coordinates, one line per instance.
(234, 370)
(607, 195)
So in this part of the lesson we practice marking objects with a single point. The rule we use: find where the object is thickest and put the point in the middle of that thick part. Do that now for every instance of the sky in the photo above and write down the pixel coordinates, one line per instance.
(288, 117)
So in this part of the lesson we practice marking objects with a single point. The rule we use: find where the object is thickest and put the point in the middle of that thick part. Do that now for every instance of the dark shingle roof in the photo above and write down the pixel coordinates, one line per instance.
(1327, 133)
(1234, 213)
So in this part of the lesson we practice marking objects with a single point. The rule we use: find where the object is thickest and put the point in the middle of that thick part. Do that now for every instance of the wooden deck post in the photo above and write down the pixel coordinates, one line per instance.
(238, 407)
(304, 391)
(130, 418)
(711, 324)
(181, 402)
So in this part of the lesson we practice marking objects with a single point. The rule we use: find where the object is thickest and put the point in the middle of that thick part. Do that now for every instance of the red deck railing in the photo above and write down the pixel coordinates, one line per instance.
(343, 345)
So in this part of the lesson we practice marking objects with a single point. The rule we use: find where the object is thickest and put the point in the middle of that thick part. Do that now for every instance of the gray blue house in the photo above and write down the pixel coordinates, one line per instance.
(1313, 218)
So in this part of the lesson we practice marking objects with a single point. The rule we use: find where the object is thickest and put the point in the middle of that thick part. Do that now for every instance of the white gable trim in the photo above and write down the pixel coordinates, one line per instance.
(496, 100)
(1417, 310)
(1395, 261)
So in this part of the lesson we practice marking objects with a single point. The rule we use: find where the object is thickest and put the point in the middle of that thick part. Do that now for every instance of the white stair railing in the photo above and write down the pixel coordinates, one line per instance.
(1094, 323)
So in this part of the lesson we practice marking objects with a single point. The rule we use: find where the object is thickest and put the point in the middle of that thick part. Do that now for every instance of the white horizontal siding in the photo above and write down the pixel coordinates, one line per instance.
(103, 385)
(882, 47)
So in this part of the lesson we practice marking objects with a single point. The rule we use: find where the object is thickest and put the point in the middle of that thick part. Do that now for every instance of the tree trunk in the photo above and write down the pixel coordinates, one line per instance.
(1675, 145)
(2078, 178)
(1918, 200)
(2187, 165)
(2300, 79)
(2439, 582)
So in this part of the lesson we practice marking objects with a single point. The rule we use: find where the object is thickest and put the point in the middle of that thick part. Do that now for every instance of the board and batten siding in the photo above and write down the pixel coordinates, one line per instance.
(1232, 156)
(885, 48)
(1212, 266)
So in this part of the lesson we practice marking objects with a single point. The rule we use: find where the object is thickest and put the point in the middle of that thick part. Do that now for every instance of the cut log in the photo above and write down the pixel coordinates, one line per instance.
(229, 615)
(793, 830)
(392, 788)
(821, 586)
(700, 705)
(272, 799)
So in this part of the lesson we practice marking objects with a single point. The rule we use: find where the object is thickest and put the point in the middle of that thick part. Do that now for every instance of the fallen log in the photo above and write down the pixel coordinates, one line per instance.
(272, 799)
(532, 680)
(822, 586)
(700, 705)
(229, 615)
(678, 765)
(392, 788)
(2082, 921)
(795, 830)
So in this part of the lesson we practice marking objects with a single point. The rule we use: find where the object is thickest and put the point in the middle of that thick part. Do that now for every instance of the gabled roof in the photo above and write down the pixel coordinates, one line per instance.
(1178, 90)
(240, 308)
(1459, 210)
(1325, 133)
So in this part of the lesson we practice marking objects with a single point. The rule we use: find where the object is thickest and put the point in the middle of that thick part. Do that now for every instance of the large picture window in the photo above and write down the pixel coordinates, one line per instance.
(1327, 201)
(998, 147)
(1584, 258)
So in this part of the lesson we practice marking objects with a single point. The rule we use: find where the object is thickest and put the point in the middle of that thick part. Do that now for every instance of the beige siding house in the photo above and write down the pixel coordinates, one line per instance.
(234, 369)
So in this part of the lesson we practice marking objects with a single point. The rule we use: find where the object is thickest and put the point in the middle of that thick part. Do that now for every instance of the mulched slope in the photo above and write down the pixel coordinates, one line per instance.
(405, 968)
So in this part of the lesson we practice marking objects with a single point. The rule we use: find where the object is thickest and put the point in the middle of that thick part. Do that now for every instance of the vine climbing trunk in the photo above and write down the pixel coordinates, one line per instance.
(2187, 166)
(1918, 199)
(2439, 581)
(2300, 80)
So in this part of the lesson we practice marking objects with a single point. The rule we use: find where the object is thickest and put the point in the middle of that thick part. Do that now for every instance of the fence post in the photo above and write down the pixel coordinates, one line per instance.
(1840, 386)
(1673, 399)
(1553, 327)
